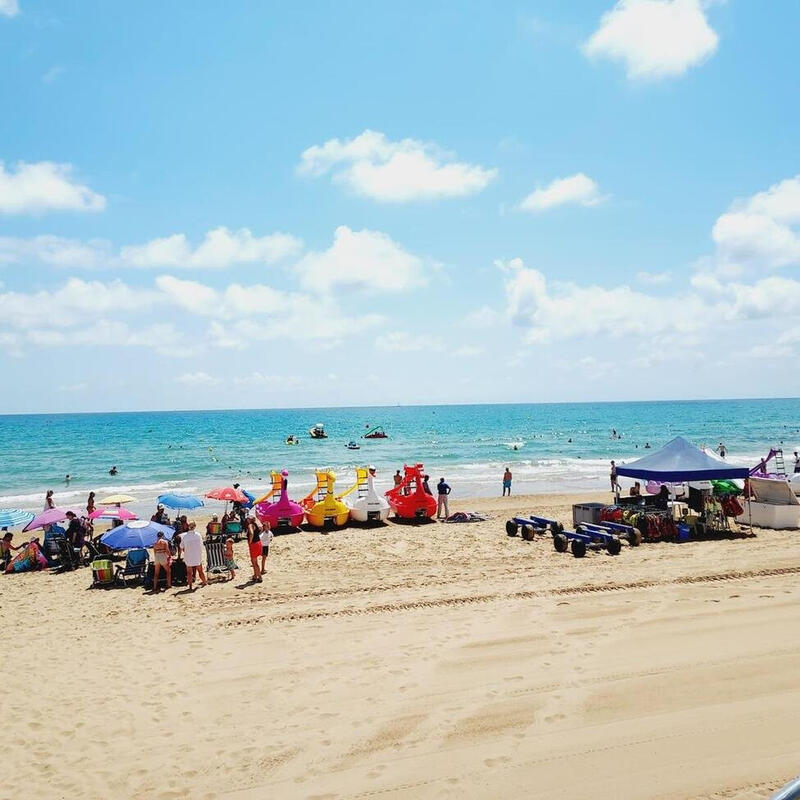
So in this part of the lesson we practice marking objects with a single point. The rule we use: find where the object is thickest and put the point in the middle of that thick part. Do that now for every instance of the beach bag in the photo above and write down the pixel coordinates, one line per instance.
(179, 573)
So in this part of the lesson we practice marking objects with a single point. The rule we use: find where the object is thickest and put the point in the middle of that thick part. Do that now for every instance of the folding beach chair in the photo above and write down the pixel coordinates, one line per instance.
(215, 558)
(68, 559)
(102, 573)
(135, 566)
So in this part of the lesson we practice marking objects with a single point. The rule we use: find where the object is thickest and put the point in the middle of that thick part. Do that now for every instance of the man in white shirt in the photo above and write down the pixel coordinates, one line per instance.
(192, 546)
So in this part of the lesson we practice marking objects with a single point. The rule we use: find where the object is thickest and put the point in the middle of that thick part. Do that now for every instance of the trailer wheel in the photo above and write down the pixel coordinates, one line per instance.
(511, 528)
(528, 533)
(560, 543)
(635, 537)
(578, 548)
(556, 527)
(614, 546)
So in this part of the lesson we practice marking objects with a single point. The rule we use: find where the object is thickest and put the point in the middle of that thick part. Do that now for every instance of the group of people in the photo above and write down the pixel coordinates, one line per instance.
(187, 544)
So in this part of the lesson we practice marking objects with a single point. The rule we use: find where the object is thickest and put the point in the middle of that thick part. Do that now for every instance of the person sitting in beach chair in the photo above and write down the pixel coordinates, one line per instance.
(135, 566)
(213, 528)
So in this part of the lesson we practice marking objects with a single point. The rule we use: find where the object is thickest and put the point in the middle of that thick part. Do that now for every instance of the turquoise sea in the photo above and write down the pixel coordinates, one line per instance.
(191, 451)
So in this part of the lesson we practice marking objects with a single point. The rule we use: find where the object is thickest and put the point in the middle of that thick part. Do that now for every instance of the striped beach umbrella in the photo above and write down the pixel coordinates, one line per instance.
(9, 517)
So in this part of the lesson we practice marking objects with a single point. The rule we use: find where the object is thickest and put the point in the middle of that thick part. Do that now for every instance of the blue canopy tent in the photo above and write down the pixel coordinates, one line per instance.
(680, 461)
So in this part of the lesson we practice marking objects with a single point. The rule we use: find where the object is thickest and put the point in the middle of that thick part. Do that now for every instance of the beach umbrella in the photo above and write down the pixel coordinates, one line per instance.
(187, 501)
(136, 533)
(112, 513)
(49, 517)
(228, 494)
(116, 500)
(9, 517)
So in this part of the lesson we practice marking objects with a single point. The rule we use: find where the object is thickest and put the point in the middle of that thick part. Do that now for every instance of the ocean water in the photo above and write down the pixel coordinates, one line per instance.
(191, 451)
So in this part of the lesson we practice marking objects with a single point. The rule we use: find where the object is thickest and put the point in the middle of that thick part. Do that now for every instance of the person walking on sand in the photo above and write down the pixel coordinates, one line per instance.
(161, 557)
(442, 490)
(192, 546)
(90, 503)
(230, 563)
(507, 476)
(266, 541)
(615, 487)
(254, 547)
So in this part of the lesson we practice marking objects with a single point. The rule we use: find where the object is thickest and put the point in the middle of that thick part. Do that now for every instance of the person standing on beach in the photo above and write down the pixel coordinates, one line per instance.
(442, 490)
(425, 485)
(721, 450)
(161, 557)
(254, 547)
(266, 540)
(796, 462)
(615, 487)
(507, 476)
(90, 503)
(48, 500)
(192, 546)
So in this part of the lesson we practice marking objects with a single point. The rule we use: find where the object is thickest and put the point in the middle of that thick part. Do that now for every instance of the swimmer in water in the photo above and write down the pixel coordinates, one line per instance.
(112, 471)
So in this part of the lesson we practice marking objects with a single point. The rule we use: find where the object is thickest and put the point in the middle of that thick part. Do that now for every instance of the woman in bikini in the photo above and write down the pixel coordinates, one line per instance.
(161, 560)
(90, 503)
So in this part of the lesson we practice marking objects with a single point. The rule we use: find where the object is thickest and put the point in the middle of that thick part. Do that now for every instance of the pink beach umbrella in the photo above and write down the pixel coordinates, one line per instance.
(228, 494)
(49, 517)
(112, 513)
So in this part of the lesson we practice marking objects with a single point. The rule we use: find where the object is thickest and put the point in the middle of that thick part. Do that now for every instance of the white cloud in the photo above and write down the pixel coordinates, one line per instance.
(577, 189)
(9, 8)
(220, 248)
(44, 186)
(758, 232)
(55, 250)
(654, 38)
(468, 351)
(395, 172)
(483, 317)
(259, 313)
(404, 342)
(198, 379)
(567, 310)
(653, 277)
(361, 259)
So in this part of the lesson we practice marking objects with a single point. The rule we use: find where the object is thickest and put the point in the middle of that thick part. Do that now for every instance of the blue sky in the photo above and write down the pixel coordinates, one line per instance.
(250, 204)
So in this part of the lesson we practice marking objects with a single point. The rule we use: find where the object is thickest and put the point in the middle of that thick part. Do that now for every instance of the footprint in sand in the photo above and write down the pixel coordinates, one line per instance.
(493, 762)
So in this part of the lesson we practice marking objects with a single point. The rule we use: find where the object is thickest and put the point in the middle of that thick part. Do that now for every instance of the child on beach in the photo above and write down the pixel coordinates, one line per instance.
(266, 540)
(229, 562)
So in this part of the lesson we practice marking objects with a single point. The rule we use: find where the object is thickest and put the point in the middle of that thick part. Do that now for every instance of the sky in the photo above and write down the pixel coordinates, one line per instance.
(248, 204)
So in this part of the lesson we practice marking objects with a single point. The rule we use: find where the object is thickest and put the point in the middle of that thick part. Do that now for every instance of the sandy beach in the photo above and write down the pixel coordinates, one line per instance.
(412, 662)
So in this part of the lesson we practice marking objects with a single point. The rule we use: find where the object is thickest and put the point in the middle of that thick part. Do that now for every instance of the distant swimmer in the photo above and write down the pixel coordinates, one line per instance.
(647, 445)
(66, 479)
(613, 433)
(515, 447)
(569, 441)
(112, 471)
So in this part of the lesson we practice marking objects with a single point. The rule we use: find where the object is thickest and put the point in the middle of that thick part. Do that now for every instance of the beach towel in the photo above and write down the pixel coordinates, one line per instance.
(466, 516)
(26, 560)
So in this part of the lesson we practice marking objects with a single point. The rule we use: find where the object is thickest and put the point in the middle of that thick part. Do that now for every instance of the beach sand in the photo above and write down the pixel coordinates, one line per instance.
(412, 662)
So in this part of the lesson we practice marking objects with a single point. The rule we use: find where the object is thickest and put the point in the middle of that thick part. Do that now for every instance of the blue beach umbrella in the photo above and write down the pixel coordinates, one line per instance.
(187, 501)
(9, 517)
(136, 533)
